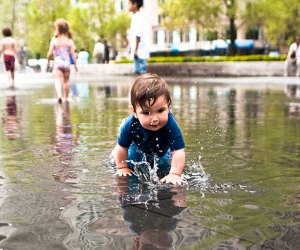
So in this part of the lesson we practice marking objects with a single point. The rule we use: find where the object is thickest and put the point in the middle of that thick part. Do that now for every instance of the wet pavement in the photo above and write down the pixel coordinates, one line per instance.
(45, 78)
(58, 190)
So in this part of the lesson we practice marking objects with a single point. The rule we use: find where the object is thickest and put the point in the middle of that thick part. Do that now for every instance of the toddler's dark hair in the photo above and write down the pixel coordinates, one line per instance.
(146, 89)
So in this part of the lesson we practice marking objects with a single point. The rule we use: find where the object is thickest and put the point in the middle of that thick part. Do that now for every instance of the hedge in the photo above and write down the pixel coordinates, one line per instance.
(181, 59)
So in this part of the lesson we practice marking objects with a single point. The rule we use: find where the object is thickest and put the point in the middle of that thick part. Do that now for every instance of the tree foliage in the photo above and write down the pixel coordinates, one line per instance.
(9, 15)
(89, 20)
(180, 13)
(279, 18)
(32, 20)
(207, 14)
(40, 16)
(81, 28)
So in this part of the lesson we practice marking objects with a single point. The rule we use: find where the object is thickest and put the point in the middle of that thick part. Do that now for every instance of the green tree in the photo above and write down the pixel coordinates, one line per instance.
(96, 19)
(32, 22)
(280, 19)
(231, 13)
(10, 17)
(117, 27)
(97, 15)
(40, 16)
(181, 13)
(81, 27)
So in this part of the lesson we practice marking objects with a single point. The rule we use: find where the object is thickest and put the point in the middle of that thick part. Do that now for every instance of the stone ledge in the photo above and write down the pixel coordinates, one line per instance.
(205, 69)
(209, 69)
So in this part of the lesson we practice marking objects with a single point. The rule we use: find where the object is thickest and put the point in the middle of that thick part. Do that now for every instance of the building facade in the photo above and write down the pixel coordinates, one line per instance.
(194, 38)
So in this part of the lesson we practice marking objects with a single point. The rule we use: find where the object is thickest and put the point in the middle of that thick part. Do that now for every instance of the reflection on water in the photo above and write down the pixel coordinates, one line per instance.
(242, 171)
(12, 120)
(64, 135)
(149, 214)
(292, 91)
(152, 221)
(65, 141)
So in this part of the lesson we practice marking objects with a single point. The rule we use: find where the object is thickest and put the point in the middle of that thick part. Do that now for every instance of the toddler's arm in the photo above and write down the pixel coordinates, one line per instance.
(121, 155)
(177, 166)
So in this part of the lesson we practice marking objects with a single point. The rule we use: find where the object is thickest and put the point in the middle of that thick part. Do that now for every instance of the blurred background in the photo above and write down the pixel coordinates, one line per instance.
(178, 27)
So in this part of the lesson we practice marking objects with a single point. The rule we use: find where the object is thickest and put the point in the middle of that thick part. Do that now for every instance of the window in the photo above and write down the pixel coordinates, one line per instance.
(252, 33)
(160, 18)
(155, 37)
(187, 36)
(161, 37)
(176, 37)
(122, 5)
(192, 35)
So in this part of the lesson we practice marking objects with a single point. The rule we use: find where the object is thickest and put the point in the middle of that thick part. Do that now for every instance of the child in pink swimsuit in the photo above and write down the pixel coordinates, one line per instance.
(62, 47)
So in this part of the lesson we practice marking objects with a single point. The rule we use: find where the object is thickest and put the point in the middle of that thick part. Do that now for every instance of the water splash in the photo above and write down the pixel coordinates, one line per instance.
(195, 175)
(144, 190)
(144, 171)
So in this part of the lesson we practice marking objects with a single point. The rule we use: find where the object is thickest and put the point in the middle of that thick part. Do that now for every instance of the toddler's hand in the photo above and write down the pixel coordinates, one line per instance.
(124, 172)
(172, 178)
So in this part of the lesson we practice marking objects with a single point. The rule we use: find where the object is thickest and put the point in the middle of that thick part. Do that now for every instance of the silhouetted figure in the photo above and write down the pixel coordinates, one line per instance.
(83, 57)
(106, 52)
(98, 52)
(23, 58)
(293, 57)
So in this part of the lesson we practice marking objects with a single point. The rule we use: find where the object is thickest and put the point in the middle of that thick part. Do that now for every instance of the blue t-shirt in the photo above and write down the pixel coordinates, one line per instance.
(151, 142)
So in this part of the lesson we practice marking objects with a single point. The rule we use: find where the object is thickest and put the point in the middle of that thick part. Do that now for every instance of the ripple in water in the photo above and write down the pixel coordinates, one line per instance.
(194, 178)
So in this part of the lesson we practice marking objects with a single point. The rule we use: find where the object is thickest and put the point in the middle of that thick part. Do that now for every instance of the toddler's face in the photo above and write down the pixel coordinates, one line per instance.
(156, 116)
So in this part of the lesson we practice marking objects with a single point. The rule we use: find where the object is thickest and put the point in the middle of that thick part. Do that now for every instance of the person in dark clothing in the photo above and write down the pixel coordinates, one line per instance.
(106, 52)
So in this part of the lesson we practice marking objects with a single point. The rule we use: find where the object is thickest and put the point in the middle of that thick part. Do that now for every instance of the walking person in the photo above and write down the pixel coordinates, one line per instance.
(61, 47)
(293, 57)
(98, 52)
(138, 37)
(106, 52)
(83, 57)
(8, 47)
(23, 58)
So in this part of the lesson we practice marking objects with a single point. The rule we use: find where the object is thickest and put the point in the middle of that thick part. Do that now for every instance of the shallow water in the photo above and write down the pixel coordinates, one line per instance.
(58, 189)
